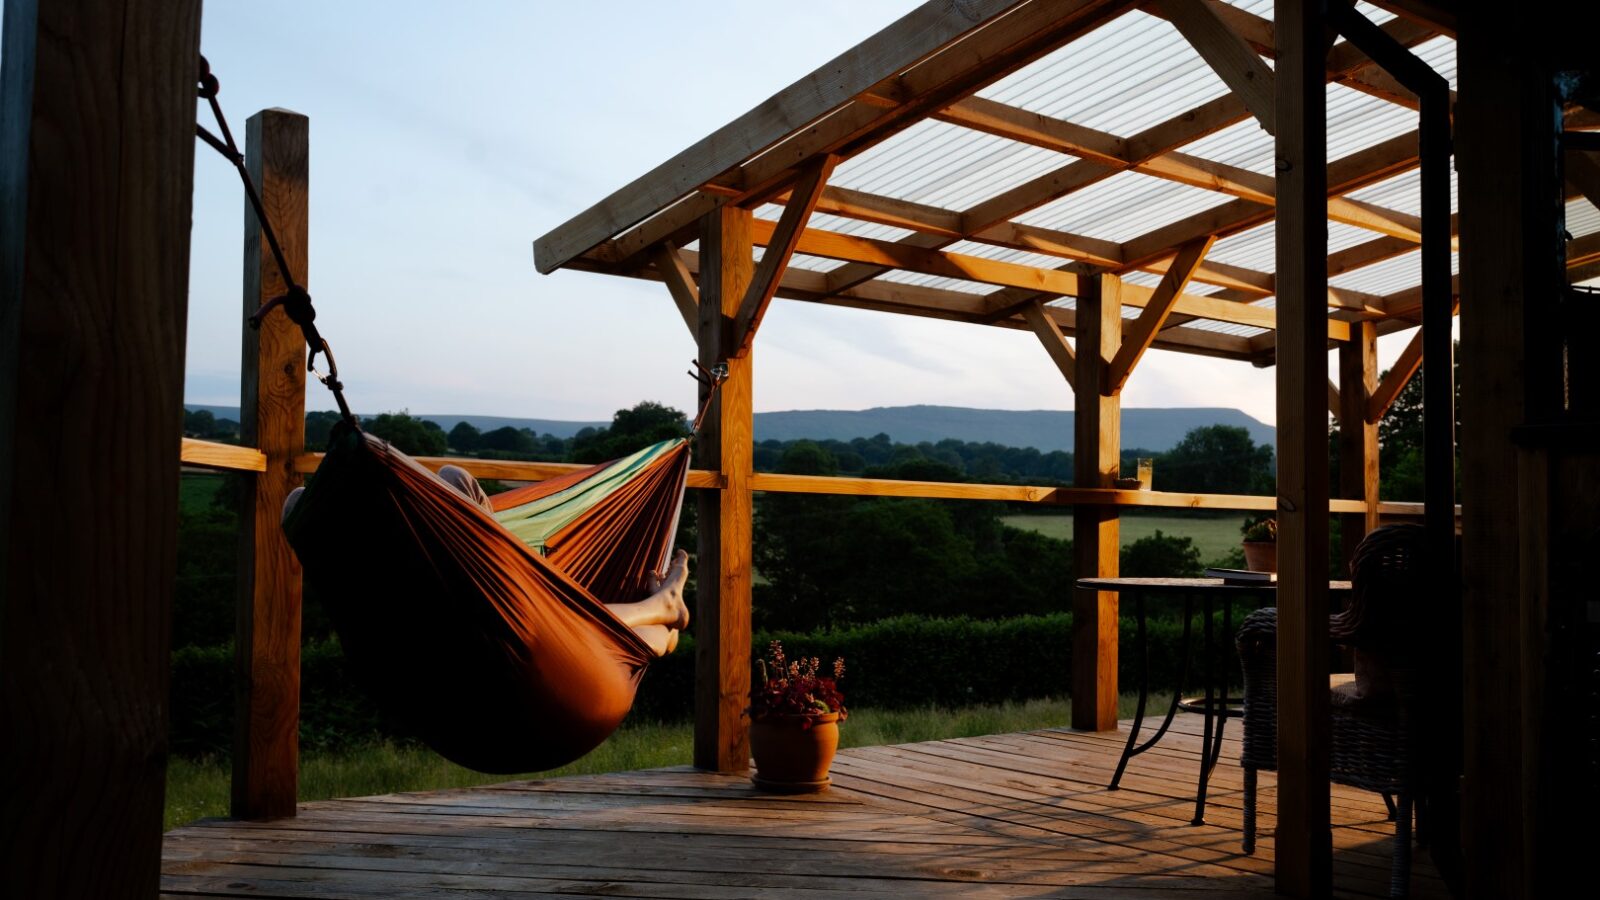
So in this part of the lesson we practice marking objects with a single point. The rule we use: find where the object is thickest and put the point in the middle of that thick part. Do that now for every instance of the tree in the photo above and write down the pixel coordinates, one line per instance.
(630, 430)
(507, 439)
(464, 437)
(1400, 438)
(1161, 555)
(1216, 459)
(409, 434)
(319, 428)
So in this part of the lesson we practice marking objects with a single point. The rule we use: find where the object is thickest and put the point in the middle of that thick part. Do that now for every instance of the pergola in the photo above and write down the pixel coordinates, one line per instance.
(1186, 175)
(1227, 179)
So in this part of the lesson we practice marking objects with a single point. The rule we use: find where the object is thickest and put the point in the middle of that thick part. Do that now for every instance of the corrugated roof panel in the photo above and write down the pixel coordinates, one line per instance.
(1096, 82)
(1582, 218)
(1123, 207)
(944, 165)
(899, 276)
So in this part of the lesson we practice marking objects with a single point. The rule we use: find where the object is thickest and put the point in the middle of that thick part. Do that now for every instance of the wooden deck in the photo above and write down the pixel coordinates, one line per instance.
(1009, 815)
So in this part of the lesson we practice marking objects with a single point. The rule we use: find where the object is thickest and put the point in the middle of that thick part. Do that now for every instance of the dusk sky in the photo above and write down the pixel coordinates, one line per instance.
(445, 138)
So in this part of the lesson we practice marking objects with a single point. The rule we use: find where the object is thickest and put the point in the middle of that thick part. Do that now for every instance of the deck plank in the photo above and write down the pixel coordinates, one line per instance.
(1002, 816)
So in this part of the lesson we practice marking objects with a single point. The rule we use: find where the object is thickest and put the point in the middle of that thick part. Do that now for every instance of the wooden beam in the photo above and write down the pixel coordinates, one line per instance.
(1358, 435)
(723, 577)
(1395, 380)
(97, 101)
(836, 84)
(1054, 342)
(1097, 443)
(780, 247)
(1334, 403)
(1348, 173)
(903, 95)
(222, 457)
(1234, 60)
(272, 418)
(1154, 315)
(1303, 866)
(680, 284)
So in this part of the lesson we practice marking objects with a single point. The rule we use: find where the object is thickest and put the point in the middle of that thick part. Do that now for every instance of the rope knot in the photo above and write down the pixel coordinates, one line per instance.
(209, 85)
(297, 305)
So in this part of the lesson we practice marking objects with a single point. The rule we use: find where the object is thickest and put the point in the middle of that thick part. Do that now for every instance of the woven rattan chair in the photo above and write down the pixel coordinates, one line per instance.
(1372, 715)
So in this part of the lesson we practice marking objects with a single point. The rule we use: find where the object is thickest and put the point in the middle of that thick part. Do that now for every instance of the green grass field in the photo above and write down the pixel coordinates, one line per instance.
(196, 789)
(1216, 537)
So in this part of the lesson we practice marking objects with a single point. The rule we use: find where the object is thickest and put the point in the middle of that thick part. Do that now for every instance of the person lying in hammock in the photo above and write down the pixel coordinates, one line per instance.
(658, 618)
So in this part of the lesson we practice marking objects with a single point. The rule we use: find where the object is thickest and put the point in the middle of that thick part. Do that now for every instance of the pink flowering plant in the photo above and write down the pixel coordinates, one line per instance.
(795, 688)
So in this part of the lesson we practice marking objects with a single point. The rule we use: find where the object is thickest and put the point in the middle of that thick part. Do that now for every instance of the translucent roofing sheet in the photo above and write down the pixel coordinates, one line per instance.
(1123, 207)
(1124, 77)
(1137, 55)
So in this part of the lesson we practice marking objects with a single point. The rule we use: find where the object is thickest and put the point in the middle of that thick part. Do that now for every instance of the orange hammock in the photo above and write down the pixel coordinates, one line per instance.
(488, 635)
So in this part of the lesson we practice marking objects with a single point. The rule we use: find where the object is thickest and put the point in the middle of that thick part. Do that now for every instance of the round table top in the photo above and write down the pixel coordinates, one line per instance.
(1190, 585)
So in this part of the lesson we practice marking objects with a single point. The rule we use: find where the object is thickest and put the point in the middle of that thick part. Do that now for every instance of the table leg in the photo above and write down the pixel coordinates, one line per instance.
(1133, 748)
(1207, 712)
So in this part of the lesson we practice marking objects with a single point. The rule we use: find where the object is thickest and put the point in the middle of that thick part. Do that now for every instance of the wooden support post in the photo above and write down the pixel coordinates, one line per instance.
(1304, 846)
(1358, 436)
(1096, 540)
(97, 101)
(1505, 125)
(272, 418)
(722, 576)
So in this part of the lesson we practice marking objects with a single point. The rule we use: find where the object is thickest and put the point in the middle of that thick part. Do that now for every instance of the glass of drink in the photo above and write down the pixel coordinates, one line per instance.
(1146, 466)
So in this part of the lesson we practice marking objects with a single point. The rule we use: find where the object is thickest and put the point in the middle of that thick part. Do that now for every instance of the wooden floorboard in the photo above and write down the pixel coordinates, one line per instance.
(1002, 816)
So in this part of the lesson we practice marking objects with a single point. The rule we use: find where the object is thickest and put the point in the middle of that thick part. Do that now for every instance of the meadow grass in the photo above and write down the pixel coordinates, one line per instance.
(199, 788)
(1216, 537)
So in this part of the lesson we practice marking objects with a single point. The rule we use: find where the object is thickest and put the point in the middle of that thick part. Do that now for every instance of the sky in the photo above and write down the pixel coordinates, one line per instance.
(445, 138)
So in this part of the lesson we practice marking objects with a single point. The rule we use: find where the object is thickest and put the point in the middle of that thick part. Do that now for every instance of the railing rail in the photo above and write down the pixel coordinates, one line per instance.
(227, 457)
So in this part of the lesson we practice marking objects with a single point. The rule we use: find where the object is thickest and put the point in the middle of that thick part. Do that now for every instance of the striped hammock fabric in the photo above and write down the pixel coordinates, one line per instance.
(485, 635)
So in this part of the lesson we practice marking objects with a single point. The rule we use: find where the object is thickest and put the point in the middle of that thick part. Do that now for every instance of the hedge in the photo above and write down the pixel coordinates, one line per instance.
(899, 663)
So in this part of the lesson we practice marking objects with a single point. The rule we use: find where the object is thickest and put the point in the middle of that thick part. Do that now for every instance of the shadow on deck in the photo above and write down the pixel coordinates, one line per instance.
(1009, 815)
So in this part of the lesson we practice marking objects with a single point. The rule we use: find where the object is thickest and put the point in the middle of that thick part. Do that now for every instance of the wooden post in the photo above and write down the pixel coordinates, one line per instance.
(1505, 144)
(1304, 846)
(1097, 419)
(97, 113)
(272, 418)
(722, 576)
(1358, 438)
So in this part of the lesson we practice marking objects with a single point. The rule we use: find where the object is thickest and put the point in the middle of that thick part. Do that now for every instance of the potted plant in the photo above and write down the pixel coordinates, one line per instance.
(1260, 544)
(794, 722)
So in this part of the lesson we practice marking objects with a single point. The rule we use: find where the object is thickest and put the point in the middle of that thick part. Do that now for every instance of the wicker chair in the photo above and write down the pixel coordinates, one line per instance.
(1372, 743)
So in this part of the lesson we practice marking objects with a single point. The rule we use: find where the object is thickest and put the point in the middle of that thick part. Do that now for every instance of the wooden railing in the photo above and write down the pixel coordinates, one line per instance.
(211, 455)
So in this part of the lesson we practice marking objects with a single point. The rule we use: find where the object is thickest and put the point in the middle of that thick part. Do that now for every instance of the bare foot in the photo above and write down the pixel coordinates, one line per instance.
(671, 590)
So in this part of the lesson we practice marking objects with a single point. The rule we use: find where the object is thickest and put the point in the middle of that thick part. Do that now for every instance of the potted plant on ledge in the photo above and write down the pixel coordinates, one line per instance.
(1260, 544)
(794, 722)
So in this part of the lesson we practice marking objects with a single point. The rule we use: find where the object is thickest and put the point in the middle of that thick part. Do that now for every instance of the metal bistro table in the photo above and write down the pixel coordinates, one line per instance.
(1214, 704)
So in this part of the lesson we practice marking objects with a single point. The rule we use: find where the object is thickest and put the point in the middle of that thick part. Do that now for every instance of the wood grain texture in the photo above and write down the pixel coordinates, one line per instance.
(1358, 435)
(680, 284)
(1303, 867)
(97, 104)
(779, 249)
(1097, 446)
(266, 748)
(723, 573)
(1163, 300)
(1054, 342)
(996, 816)
(224, 457)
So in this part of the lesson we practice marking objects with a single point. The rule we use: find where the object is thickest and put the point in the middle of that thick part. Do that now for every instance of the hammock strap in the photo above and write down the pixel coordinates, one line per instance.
(295, 301)
(712, 378)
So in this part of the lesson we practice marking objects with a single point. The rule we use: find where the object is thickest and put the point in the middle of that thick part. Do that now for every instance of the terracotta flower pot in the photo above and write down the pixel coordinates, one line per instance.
(1261, 556)
(791, 759)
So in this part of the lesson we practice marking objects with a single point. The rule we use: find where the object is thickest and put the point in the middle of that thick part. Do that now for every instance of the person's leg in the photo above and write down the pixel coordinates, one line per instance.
(661, 639)
(462, 480)
(664, 607)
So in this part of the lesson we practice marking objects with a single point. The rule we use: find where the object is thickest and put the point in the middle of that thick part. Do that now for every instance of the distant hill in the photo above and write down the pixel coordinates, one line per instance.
(1045, 429)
